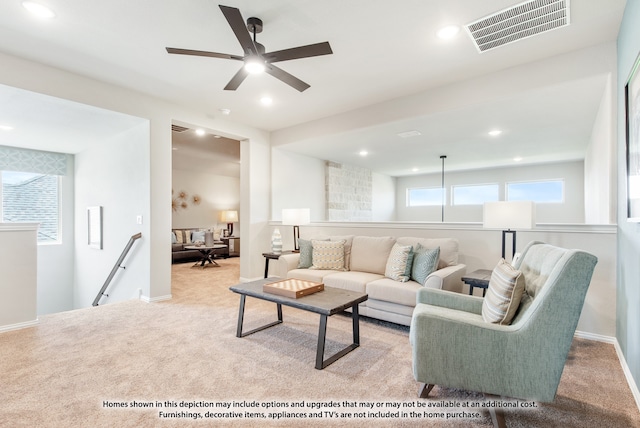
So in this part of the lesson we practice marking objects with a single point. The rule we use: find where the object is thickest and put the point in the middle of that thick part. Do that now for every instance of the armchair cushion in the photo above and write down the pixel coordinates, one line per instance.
(504, 294)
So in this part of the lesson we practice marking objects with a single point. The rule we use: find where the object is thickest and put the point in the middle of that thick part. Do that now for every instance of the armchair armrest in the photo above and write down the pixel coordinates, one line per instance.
(287, 262)
(447, 299)
(448, 278)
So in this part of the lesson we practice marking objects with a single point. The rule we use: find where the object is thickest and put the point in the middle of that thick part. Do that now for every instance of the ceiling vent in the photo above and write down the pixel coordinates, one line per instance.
(518, 22)
(178, 128)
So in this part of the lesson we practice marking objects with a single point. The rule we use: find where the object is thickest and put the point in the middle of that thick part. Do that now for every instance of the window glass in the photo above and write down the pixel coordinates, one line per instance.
(549, 191)
(424, 196)
(32, 198)
(475, 194)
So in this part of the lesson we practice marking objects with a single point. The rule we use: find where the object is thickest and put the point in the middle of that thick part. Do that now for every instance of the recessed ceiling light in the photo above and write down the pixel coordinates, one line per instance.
(415, 169)
(266, 101)
(517, 159)
(409, 134)
(448, 32)
(495, 132)
(174, 148)
(6, 128)
(363, 153)
(225, 111)
(200, 132)
(38, 10)
(217, 136)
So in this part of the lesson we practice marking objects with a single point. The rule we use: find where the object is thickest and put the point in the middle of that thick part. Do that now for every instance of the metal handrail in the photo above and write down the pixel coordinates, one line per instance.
(115, 268)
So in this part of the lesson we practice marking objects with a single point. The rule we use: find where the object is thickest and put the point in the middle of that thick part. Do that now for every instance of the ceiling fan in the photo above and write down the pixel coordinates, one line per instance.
(255, 58)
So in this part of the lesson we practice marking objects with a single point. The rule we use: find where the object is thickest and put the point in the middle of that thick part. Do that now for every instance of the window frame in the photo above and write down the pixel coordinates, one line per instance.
(560, 180)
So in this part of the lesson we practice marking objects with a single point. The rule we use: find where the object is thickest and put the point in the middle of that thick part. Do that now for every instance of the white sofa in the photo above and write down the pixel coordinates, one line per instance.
(365, 262)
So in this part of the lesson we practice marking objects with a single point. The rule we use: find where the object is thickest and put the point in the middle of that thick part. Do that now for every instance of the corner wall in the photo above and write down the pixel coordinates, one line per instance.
(628, 245)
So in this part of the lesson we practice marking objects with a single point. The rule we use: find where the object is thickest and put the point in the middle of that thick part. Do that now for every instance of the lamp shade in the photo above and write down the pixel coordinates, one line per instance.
(507, 215)
(296, 216)
(229, 216)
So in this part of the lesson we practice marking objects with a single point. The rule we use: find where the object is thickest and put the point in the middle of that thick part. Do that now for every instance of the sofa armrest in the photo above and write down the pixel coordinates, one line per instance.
(447, 299)
(287, 262)
(448, 278)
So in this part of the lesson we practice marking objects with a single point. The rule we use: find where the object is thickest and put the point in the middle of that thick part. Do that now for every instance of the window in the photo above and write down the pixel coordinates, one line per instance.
(475, 194)
(425, 196)
(549, 191)
(32, 198)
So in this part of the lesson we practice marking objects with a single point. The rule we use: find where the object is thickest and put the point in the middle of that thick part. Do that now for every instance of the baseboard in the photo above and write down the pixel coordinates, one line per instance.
(148, 299)
(250, 279)
(18, 326)
(623, 362)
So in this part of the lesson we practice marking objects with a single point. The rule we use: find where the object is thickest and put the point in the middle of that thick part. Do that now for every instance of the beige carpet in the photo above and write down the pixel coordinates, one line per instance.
(74, 368)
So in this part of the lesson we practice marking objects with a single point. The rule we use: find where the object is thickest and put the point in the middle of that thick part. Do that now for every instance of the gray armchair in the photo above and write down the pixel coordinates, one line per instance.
(454, 347)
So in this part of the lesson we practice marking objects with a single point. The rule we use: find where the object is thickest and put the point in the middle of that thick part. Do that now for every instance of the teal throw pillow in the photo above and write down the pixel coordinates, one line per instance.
(174, 239)
(306, 254)
(197, 236)
(425, 262)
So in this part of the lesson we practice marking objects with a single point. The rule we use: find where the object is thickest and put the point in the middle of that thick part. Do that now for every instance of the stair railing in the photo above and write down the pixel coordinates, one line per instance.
(117, 266)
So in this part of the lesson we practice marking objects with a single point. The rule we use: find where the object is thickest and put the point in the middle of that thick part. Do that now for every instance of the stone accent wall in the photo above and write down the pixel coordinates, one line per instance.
(349, 192)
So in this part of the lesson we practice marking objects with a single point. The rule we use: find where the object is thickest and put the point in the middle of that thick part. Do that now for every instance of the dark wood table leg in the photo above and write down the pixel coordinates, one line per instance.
(321, 363)
(239, 332)
(266, 267)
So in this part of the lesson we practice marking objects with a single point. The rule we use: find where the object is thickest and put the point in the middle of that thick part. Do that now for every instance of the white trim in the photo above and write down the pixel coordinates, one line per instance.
(11, 227)
(623, 362)
(242, 279)
(18, 326)
(148, 299)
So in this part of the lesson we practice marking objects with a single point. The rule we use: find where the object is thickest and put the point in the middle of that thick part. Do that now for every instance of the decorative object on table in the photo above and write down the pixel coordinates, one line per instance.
(293, 288)
(508, 216)
(296, 217)
(632, 109)
(208, 238)
(229, 217)
(94, 227)
(276, 242)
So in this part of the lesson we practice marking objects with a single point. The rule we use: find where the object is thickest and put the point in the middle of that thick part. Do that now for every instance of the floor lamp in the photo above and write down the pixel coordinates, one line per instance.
(296, 217)
(508, 216)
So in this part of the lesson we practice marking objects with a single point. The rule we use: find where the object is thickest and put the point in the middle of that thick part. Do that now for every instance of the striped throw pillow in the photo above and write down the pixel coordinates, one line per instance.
(399, 263)
(503, 295)
(425, 262)
(328, 255)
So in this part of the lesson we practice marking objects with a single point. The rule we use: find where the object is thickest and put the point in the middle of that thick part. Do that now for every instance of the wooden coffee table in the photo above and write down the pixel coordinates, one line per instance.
(326, 303)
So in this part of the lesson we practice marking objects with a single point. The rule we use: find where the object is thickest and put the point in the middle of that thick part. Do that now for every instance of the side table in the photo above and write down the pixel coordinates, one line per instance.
(478, 278)
(272, 256)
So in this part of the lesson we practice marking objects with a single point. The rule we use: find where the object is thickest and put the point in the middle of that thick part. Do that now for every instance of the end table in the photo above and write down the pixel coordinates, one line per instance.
(272, 256)
(478, 278)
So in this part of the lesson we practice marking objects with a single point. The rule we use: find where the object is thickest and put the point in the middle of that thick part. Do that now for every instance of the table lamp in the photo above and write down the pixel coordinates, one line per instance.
(508, 216)
(296, 217)
(229, 217)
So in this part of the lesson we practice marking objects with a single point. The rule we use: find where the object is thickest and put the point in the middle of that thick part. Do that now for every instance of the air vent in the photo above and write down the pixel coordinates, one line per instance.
(519, 22)
(178, 128)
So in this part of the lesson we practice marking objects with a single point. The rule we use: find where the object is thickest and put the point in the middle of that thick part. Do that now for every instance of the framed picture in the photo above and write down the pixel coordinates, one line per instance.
(94, 230)
(632, 107)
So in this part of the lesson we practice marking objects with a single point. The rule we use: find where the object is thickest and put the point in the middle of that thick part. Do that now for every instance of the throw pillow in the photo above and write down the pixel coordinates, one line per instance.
(503, 295)
(197, 235)
(306, 253)
(174, 240)
(328, 255)
(425, 262)
(399, 258)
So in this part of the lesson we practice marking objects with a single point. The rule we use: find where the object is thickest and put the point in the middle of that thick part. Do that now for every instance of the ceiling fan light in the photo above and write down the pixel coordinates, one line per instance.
(254, 65)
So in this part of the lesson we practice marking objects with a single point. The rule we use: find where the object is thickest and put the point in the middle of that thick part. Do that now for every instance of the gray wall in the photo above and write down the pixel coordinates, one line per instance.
(628, 301)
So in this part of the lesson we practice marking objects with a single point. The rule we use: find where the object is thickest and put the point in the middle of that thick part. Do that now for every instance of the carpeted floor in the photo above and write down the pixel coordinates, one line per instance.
(134, 364)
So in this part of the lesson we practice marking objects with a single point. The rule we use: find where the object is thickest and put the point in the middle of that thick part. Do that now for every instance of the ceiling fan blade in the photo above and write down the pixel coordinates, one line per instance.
(202, 53)
(235, 20)
(237, 80)
(300, 52)
(287, 78)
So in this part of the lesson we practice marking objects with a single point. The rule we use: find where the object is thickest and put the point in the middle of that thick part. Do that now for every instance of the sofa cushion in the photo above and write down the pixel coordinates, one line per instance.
(448, 248)
(503, 295)
(425, 262)
(306, 253)
(315, 275)
(399, 263)
(327, 255)
(354, 281)
(370, 253)
(403, 293)
(177, 247)
(174, 239)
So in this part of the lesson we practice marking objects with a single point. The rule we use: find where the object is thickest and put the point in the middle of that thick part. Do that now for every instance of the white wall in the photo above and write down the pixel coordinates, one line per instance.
(600, 168)
(217, 193)
(115, 176)
(572, 211)
(384, 197)
(56, 261)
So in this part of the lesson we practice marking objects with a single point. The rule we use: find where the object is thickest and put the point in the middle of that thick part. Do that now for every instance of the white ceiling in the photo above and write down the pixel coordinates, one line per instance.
(383, 50)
